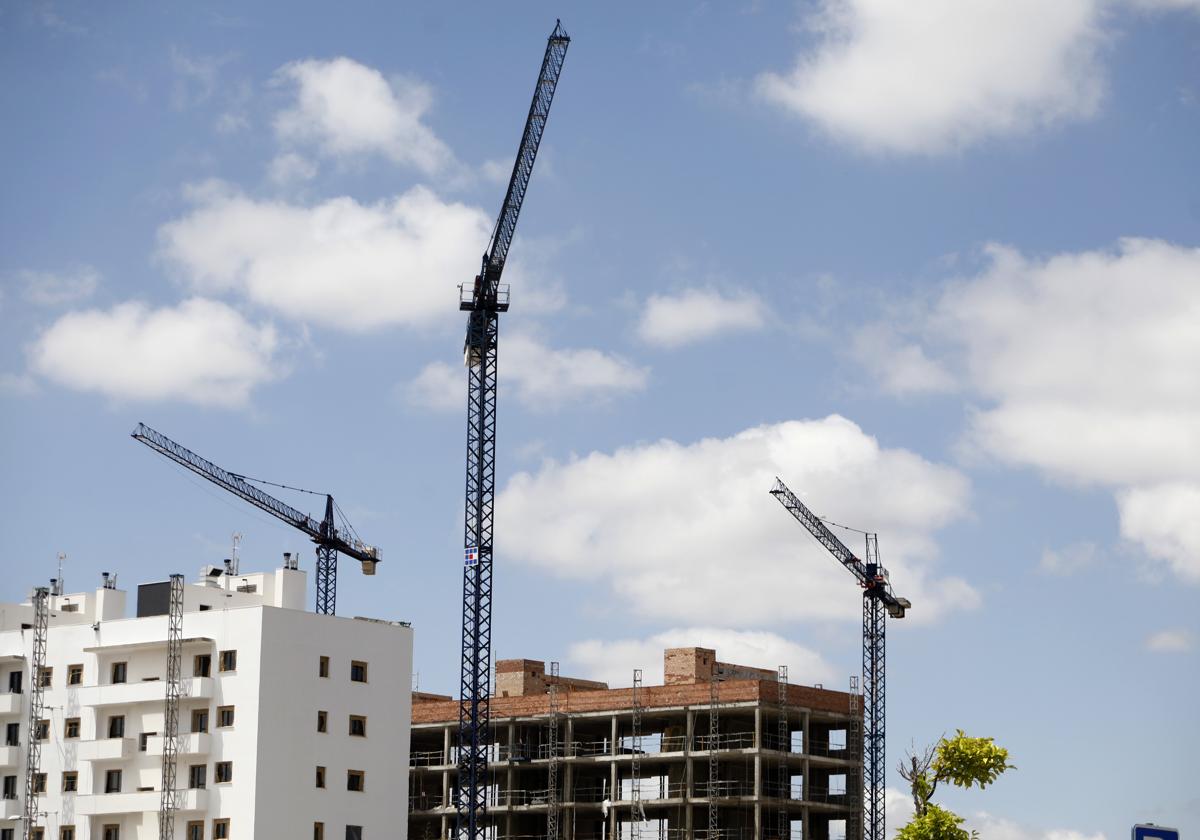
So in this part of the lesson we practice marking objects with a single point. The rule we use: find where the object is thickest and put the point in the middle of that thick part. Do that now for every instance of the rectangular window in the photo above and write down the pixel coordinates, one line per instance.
(66, 832)
(39, 782)
(10, 787)
(354, 832)
(198, 776)
(322, 721)
(223, 772)
(43, 730)
(14, 681)
(358, 671)
(318, 831)
(12, 735)
(323, 671)
(70, 781)
(47, 673)
(195, 830)
(202, 667)
(120, 671)
(320, 776)
(358, 726)
(112, 832)
(356, 780)
(229, 660)
(199, 720)
(37, 833)
(144, 740)
(116, 726)
(6, 833)
(220, 829)
(71, 728)
(74, 677)
(112, 782)
(224, 716)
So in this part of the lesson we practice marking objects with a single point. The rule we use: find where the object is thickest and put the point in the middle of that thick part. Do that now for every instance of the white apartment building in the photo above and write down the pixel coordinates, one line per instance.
(292, 724)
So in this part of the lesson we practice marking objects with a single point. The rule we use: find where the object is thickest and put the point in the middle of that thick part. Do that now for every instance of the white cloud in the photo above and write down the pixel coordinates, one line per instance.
(341, 264)
(289, 167)
(1087, 364)
(539, 376)
(613, 661)
(496, 171)
(697, 314)
(1170, 641)
(49, 289)
(1063, 562)
(345, 108)
(200, 351)
(197, 76)
(923, 78)
(681, 532)
(999, 828)
(901, 367)
(1167, 5)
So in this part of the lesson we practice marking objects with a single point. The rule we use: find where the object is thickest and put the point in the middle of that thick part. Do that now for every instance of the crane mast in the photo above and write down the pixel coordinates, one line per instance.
(484, 302)
(879, 601)
(168, 801)
(37, 695)
(329, 539)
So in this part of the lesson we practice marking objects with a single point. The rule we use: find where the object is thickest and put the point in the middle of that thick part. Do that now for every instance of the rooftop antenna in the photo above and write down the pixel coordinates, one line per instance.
(58, 581)
(233, 559)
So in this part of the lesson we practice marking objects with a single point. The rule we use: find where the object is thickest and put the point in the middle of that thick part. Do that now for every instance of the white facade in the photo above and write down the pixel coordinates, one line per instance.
(272, 687)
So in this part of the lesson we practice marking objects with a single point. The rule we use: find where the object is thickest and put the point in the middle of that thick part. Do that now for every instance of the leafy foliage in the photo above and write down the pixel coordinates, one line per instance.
(935, 824)
(964, 761)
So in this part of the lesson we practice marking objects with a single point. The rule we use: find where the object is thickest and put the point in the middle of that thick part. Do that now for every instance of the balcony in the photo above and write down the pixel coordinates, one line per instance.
(105, 804)
(10, 809)
(11, 703)
(149, 691)
(107, 749)
(11, 756)
(190, 743)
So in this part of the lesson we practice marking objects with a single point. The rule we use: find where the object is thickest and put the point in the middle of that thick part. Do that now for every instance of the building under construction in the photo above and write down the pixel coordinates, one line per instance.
(717, 751)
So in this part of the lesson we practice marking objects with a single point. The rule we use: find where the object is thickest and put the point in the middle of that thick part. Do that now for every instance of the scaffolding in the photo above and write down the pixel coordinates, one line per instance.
(637, 814)
(714, 730)
(785, 746)
(168, 803)
(33, 749)
(854, 826)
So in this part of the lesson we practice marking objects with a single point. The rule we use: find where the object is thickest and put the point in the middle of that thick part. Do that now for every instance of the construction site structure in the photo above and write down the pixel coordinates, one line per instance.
(37, 693)
(640, 761)
(287, 723)
(484, 300)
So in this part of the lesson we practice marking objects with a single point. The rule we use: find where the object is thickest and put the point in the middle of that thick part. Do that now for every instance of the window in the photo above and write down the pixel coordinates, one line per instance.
(356, 780)
(112, 784)
(47, 674)
(70, 781)
(71, 728)
(358, 671)
(224, 772)
(74, 677)
(318, 831)
(202, 667)
(12, 735)
(195, 830)
(220, 829)
(323, 671)
(320, 776)
(224, 716)
(229, 660)
(120, 671)
(199, 720)
(354, 832)
(37, 833)
(39, 782)
(197, 776)
(66, 832)
(322, 721)
(6, 833)
(116, 726)
(43, 730)
(112, 832)
(10, 787)
(144, 740)
(358, 726)
(14, 681)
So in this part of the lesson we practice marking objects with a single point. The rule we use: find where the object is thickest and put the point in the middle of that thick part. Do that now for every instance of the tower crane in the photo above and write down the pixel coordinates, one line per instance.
(879, 601)
(484, 300)
(329, 538)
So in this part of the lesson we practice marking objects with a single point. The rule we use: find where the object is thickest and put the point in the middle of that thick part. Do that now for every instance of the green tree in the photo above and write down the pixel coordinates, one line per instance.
(962, 761)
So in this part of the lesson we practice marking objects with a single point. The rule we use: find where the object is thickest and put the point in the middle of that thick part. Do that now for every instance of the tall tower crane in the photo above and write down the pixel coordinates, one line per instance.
(485, 300)
(879, 601)
(37, 689)
(329, 538)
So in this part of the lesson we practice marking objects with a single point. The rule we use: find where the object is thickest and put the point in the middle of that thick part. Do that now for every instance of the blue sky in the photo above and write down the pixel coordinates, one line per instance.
(935, 264)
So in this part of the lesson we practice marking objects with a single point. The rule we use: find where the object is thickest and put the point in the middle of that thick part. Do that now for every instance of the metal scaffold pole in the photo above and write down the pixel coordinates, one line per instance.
(785, 747)
(636, 814)
(168, 801)
(714, 730)
(854, 823)
(33, 749)
(552, 771)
